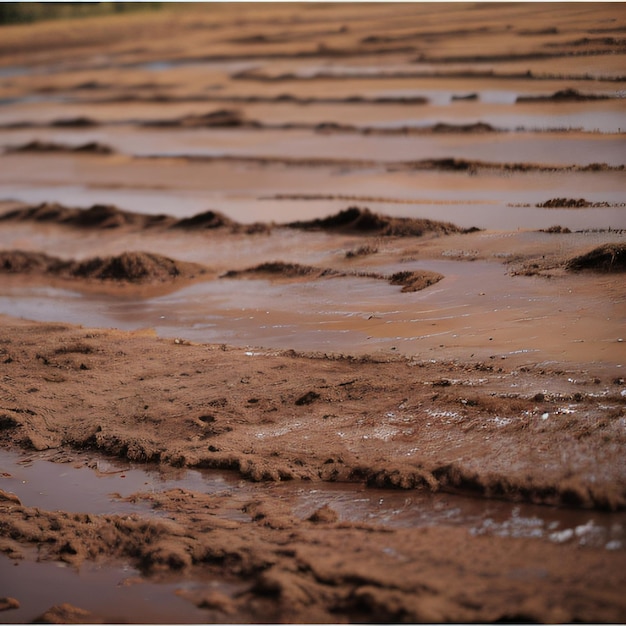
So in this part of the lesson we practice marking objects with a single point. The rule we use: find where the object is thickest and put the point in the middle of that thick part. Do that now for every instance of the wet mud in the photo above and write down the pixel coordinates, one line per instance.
(338, 335)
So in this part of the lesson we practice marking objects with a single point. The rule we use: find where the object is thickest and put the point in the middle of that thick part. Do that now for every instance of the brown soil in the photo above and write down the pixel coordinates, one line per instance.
(502, 381)
(295, 567)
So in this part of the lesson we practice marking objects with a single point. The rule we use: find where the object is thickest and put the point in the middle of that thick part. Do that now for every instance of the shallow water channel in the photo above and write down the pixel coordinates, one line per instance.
(98, 485)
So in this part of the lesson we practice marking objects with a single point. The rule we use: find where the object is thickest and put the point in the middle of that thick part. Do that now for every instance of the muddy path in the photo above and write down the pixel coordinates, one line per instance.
(313, 314)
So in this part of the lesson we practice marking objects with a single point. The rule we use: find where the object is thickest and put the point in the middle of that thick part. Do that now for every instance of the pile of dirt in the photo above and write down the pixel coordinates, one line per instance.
(477, 127)
(222, 118)
(21, 262)
(74, 122)
(279, 269)
(91, 147)
(98, 216)
(363, 221)
(410, 281)
(610, 257)
(207, 220)
(129, 267)
(415, 281)
(564, 95)
(565, 203)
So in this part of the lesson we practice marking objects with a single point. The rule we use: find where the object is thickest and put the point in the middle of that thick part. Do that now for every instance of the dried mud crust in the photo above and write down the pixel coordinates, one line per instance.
(396, 423)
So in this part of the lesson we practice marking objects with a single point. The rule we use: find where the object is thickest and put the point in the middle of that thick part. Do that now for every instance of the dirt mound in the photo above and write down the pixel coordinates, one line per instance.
(208, 220)
(565, 203)
(279, 269)
(91, 147)
(222, 118)
(477, 127)
(610, 257)
(363, 221)
(98, 216)
(415, 281)
(410, 281)
(44, 212)
(19, 261)
(74, 122)
(132, 267)
(564, 95)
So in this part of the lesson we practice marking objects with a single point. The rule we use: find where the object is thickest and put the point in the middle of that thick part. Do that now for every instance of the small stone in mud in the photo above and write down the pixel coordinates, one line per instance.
(9, 603)
(307, 398)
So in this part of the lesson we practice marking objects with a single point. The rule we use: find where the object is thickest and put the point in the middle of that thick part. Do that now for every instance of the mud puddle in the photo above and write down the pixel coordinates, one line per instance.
(98, 485)
(116, 594)
(352, 314)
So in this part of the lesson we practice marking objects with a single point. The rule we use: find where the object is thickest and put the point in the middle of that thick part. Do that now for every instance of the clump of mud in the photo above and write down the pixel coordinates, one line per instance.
(75, 122)
(477, 127)
(361, 251)
(610, 257)
(98, 216)
(556, 230)
(67, 614)
(410, 281)
(207, 219)
(20, 262)
(565, 203)
(279, 269)
(107, 216)
(222, 118)
(415, 281)
(91, 147)
(363, 221)
(564, 95)
(129, 267)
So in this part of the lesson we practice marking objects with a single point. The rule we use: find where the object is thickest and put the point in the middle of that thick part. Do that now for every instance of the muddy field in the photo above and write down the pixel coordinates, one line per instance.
(314, 313)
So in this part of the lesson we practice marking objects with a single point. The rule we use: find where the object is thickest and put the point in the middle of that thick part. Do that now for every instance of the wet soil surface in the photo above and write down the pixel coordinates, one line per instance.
(314, 315)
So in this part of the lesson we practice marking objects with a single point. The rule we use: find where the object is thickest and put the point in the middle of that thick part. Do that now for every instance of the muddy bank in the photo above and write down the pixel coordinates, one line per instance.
(330, 576)
(394, 423)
